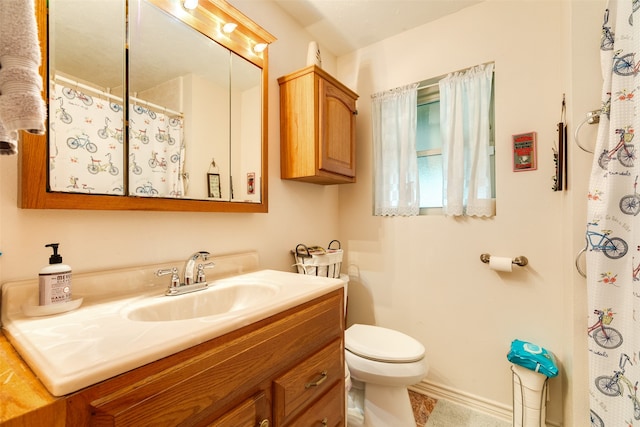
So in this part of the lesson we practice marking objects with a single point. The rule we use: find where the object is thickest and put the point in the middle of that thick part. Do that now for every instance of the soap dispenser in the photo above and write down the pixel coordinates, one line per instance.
(55, 279)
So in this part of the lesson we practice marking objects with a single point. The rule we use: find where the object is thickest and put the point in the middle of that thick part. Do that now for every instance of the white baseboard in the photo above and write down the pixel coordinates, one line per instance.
(477, 403)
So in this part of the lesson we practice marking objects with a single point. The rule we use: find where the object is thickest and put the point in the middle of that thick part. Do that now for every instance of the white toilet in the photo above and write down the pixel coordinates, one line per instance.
(383, 362)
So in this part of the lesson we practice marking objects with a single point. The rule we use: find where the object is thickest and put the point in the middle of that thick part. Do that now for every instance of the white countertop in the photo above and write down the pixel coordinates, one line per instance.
(96, 341)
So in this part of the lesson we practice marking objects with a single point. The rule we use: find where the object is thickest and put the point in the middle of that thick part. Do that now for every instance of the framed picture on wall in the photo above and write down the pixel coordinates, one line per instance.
(213, 181)
(524, 152)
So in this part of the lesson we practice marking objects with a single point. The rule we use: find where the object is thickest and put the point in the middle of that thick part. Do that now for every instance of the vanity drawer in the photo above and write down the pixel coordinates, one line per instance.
(328, 411)
(309, 380)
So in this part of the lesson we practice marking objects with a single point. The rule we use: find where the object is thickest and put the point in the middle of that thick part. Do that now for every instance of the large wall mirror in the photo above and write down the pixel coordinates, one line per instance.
(172, 118)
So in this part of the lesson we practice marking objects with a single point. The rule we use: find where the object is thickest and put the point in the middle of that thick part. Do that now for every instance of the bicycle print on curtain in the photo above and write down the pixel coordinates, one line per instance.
(86, 143)
(613, 229)
(155, 153)
(87, 140)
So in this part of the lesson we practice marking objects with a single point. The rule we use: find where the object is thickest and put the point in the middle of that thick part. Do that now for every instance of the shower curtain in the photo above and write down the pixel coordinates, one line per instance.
(613, 229)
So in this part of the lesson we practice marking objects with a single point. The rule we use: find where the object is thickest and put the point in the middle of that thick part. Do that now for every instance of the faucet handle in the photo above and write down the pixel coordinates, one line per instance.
(200, 276)
(203, 254)
(175, 279)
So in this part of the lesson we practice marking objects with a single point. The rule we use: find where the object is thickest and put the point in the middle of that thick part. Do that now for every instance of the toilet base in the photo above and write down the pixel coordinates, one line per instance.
(386, 406)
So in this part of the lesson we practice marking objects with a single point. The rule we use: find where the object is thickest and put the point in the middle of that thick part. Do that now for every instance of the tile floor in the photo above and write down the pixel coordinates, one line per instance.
(433, 413)
(422, 406)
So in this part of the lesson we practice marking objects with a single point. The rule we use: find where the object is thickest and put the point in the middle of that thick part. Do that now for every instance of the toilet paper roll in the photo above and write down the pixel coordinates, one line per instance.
(500, 263)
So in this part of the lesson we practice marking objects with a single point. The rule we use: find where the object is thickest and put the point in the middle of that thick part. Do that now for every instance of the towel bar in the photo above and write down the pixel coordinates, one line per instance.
(593, 117)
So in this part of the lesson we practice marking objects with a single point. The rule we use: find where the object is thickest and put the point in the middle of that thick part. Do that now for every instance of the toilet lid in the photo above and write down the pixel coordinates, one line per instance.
(382, 344)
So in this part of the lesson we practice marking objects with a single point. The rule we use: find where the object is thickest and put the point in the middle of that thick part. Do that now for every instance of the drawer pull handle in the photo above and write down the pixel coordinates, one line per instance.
(264, 423)
(316, 383)
(325, 422)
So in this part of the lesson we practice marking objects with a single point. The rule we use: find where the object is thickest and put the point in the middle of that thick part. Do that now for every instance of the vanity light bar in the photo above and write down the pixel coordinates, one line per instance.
(226, 25)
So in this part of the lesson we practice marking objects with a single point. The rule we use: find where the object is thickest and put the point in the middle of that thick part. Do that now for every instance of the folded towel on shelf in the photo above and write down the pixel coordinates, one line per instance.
(21, 104)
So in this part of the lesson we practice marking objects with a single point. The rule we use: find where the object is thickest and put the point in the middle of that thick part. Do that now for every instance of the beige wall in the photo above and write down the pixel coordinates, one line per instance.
(418, 275)
(423, 275)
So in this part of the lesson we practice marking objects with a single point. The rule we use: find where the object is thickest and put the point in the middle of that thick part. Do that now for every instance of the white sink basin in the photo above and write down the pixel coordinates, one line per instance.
(215, 300)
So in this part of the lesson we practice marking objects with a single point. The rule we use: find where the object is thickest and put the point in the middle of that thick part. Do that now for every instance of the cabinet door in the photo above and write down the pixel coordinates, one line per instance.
(337, 130)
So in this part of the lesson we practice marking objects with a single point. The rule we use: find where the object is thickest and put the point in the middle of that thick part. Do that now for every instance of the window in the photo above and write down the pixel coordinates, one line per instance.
(429, 148)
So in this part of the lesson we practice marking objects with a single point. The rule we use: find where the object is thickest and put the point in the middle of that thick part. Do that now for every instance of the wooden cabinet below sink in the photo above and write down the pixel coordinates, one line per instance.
(285, 370)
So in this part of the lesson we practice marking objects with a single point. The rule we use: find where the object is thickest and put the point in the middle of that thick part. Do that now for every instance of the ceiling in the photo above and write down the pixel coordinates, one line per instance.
(342, 26)
(339, 26)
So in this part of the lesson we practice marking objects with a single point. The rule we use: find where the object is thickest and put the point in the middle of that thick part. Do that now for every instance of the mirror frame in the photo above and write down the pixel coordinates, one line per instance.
(33, 161)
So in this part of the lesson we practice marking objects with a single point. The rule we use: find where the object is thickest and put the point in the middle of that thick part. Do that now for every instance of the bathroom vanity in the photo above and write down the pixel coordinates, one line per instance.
(284, 366)
(285, 370)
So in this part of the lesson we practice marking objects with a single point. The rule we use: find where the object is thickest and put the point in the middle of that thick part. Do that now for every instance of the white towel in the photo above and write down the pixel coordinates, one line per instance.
(21, 104)
(8, 141)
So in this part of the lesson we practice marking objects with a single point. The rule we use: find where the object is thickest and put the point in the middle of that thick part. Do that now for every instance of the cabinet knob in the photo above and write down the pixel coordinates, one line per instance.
(325, 422)
(320, 380)
(264, 423)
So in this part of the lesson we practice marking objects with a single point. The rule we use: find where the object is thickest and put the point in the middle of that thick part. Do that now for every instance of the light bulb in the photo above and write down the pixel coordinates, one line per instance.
(259, 47)
(229, 27)
(190, 4)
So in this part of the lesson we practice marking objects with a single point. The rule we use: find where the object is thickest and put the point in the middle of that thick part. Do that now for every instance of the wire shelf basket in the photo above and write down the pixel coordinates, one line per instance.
(318, 261)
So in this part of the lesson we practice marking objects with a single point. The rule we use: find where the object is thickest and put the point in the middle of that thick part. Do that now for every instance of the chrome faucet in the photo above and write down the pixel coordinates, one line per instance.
(187, 274)
(188, 284)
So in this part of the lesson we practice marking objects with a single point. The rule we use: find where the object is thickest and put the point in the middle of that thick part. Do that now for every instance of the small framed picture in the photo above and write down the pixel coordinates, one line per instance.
(213, 181)
(251, 183)
(524, 152)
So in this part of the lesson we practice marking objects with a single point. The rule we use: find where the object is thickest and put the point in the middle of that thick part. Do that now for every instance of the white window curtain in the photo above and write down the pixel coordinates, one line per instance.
(394, 119)
(465, 100)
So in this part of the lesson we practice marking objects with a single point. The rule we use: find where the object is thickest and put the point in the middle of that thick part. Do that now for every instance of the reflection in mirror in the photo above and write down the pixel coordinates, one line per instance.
(246, 130)
(178, 107)
(194, 109)
(86, 115)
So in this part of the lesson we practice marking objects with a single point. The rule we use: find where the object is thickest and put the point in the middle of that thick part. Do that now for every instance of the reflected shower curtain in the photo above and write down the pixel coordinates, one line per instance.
(86, 146)
(156, 153)
(613, 229)
(85, 143)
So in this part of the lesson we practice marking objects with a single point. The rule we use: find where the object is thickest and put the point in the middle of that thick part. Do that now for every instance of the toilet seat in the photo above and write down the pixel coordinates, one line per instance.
(382, 344)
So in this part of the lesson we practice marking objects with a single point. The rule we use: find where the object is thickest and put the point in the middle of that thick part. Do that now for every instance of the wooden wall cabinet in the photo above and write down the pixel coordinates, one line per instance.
(317, 128)
(283, 371)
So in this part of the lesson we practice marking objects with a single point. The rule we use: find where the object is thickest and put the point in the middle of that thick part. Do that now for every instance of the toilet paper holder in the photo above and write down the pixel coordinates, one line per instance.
(519, 260)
